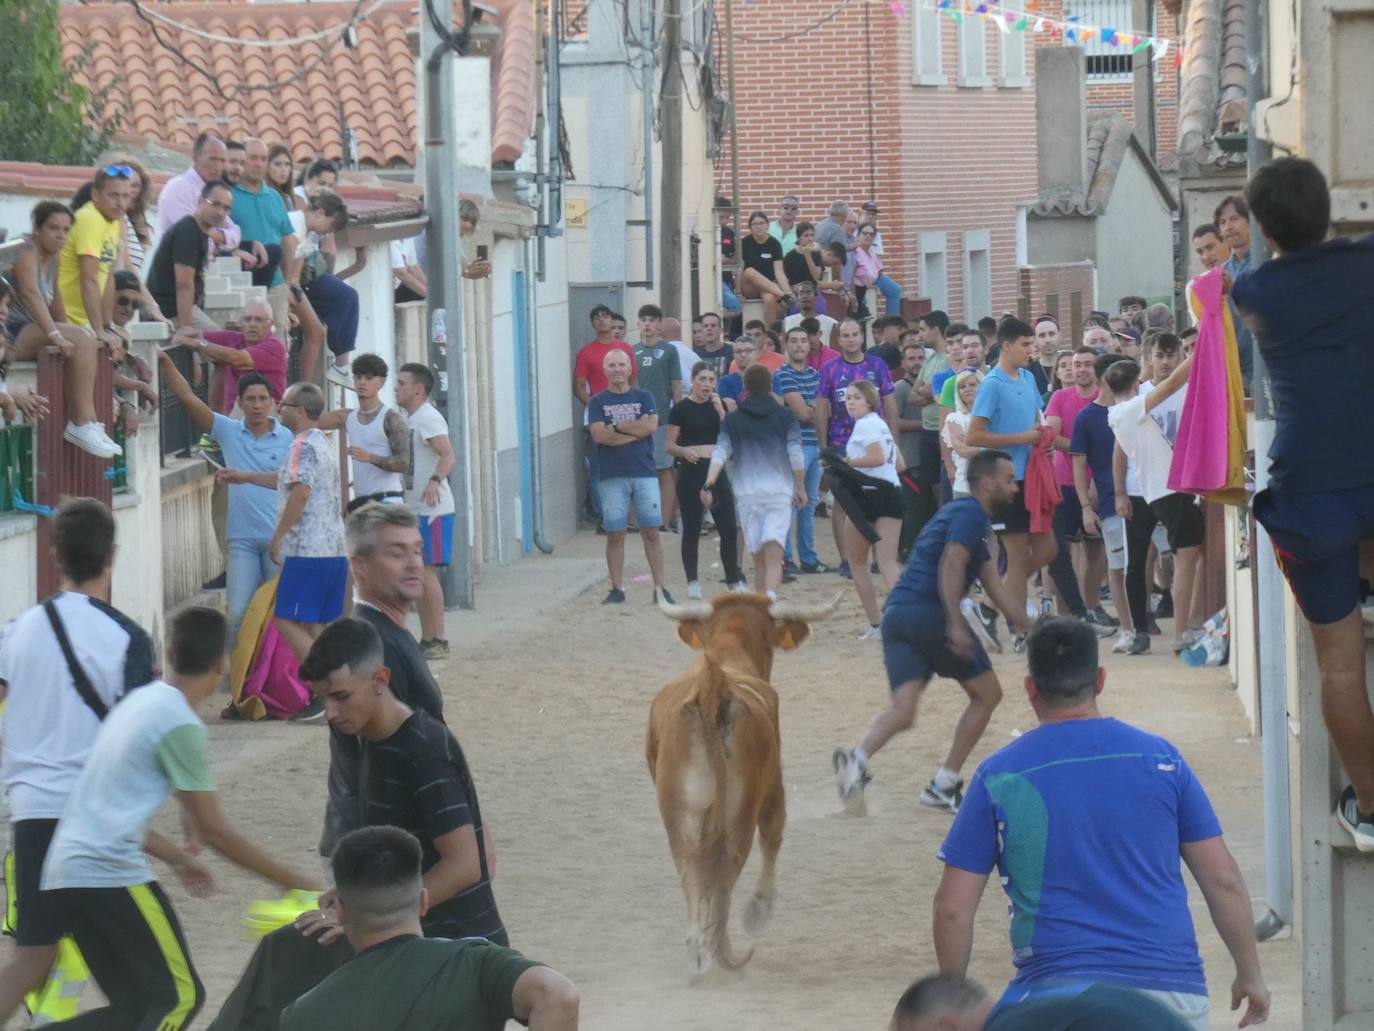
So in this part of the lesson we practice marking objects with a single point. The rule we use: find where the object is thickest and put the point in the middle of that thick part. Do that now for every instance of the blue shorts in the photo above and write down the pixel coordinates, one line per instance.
(915, 648)
(618, 493)
(1317, 540)
(311, 590)
(436, 533)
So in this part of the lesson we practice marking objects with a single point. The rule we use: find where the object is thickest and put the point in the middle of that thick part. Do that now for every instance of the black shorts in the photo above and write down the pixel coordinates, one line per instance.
(882, 500)
(38, 914)
(1015, 517)
(1181, 518)
(1317, 540)
(1068, 517)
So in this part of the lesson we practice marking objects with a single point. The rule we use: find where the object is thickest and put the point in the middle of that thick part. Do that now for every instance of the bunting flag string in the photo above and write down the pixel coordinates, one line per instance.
(1011, 19)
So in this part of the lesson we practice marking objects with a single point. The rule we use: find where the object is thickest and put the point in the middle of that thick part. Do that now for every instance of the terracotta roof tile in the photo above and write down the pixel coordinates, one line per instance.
(370, 89)
(1109, 138)
(1213, 95)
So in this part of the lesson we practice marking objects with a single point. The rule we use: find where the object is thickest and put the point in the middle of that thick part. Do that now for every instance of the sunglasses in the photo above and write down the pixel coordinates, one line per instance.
(118, 171)
(790, 207)
(125, 302)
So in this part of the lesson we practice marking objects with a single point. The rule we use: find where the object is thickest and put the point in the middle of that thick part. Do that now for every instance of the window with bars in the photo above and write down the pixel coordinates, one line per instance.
(1106, 62)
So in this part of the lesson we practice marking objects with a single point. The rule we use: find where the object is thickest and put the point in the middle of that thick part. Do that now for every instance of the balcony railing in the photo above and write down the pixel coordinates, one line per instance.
(16, 465)
(178, 433)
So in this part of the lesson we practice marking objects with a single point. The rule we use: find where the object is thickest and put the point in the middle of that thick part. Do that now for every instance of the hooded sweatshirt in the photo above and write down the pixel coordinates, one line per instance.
(763, 439)
(1309, 310)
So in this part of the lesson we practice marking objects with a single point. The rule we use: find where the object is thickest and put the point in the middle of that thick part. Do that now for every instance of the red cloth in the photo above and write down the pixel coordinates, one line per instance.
(1041, 485)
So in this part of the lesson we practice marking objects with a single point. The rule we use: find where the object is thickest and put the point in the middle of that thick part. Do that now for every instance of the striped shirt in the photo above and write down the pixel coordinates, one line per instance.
(807, 382)
(418, 780)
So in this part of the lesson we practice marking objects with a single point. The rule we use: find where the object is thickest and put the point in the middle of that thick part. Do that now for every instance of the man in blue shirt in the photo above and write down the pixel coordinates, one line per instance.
(622, 420)
(1006, 415)
(797, 384)
(1085, 819)
(925, 633)
(1233, 226)
(1309, 308)
(257, 443)
(260, 213)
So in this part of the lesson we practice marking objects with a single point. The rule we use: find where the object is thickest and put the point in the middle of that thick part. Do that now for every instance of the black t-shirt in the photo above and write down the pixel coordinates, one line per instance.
(699, 422)
(184, 244)
(413, 684)
(798, 269)
(718, 360)
(418, 780)
(760, 256)
(889, 353)
(727, 252)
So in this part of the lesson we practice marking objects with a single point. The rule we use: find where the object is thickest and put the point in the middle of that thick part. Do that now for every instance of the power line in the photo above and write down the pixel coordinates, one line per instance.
(356, 16)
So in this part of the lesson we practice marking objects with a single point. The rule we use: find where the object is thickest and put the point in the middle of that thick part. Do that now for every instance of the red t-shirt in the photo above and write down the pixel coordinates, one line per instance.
(590, 364)
(1066, 403)
(269, 360)
(820, 359)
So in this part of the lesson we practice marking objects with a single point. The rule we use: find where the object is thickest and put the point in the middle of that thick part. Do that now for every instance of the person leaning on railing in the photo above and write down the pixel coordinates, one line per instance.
(15, 401)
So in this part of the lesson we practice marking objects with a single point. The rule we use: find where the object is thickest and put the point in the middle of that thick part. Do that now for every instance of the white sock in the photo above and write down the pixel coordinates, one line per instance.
(772, 595)
(861, 757)
(946, 778)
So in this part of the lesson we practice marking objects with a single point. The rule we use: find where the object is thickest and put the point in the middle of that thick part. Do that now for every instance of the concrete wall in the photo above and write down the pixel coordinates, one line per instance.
(1061, 239)
(1199, 198)
(1135, 239)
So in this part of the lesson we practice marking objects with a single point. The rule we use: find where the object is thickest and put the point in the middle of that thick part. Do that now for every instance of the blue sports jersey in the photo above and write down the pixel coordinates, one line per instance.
(1010, 406)
(962, 521)
(1083, 820)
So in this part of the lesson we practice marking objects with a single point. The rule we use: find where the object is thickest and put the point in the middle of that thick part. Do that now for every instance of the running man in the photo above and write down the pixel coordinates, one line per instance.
(151, 744)
(925, 634)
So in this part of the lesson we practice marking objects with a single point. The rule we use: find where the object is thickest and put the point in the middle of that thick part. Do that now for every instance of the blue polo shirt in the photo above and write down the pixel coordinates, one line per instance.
(262, 216)
(252, 509)
(1010, 406)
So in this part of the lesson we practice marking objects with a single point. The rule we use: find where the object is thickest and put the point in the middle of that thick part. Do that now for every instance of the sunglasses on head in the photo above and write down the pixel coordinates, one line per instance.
(118, 171)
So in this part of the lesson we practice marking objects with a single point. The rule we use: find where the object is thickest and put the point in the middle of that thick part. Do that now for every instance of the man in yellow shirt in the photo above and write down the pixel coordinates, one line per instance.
(83, 269)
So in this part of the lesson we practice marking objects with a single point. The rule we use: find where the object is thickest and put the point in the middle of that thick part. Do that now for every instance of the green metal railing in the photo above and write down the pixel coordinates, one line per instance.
(16, 465)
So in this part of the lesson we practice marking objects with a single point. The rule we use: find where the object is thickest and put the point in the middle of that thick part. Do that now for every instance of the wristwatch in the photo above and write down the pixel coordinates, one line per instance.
(436, 479)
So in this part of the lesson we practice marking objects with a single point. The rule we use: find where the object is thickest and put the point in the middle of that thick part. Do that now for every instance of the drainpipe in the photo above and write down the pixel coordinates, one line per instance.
(532, 378)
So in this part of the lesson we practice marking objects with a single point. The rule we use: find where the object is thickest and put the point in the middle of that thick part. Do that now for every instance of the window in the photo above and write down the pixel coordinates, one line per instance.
(1011, 60)
(973, 52)
(1107, 62)
(926, 66)
(977, 274)
(934, 278)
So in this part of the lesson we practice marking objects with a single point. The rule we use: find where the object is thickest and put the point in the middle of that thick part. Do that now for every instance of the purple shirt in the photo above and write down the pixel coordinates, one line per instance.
(180, 197)
(836, 377)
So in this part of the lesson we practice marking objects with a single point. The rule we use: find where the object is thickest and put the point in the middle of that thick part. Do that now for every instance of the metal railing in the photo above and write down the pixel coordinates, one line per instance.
(16, 465)
(178, 433)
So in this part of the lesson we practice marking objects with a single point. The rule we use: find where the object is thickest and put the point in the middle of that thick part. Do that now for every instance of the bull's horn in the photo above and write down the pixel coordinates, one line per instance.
(692, 610)
(809, 613)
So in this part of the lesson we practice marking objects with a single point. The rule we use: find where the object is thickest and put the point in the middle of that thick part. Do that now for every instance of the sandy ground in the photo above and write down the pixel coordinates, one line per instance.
(549, 692)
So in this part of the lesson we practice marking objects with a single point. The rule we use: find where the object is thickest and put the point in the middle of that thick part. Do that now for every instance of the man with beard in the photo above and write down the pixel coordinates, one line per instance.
(925, 634)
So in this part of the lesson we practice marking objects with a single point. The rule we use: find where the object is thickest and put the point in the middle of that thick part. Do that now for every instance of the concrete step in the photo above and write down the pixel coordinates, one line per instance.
(148, 331)
(225, 267)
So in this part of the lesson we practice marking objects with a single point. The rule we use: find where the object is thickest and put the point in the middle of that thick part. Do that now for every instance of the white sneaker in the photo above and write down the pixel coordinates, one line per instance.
(1032, 611)
(694, 590)
(340, 374)
(873, 633)
(1124, 640)
(91, 438)
(850, 775)
(739, 587)
(948, 799)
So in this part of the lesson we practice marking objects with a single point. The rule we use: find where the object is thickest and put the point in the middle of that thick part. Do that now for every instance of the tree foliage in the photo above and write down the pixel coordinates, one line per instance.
(46, 115)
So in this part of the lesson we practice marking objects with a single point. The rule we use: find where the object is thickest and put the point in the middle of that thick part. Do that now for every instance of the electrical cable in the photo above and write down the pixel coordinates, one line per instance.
(356, 16)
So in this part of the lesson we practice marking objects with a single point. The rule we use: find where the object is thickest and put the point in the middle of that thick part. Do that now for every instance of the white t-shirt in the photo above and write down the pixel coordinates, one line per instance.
(425, 424)
(49, 730)
(403, 253)
(868, 430)
(309, 242)
(686, 360)
(1169, 411)
(1145, 445)
(960, 419)
(827, 324)
(151, 744)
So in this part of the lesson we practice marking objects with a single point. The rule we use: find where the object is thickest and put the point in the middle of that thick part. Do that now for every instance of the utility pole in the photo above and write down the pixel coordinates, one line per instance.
(737, 261)
(672, 85)
(439, 47)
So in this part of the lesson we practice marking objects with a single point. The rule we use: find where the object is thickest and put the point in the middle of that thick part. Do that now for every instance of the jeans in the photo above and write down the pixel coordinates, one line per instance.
(336, 303)
(729, 300)
(892, 294)
(249, 567)
(593, 475)
(264, 276)
(620, 492)
(806, 516)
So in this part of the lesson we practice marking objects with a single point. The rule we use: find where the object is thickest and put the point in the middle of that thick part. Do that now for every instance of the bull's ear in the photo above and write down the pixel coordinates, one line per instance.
(790, 634)
(690, 633)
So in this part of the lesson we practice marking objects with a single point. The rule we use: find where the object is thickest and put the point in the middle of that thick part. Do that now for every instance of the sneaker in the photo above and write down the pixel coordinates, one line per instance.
(816, 567)
(984, 617)
(615, 596)
(1124, 640)
(310, 714)
(738, 587)
(1032, 611)
(341, 375)
(435, 649)
(1105, 618)
(947, 799)
(821, 511)
(791, 567)
(844, 570)
(873, 568)
(788, 578)
(873, 633)
(1152, 627)
(1141, 645)
(210, 450)
(662, 592)
(1018, 644)
(694, 590)
(90, 438)
(850, 775)
(1046, 609)
(1100, 629)
(1165, 608)
(1189, 638)
(1360, 825)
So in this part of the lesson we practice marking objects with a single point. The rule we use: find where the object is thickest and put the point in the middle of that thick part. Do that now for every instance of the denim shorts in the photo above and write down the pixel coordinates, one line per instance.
(620, 492)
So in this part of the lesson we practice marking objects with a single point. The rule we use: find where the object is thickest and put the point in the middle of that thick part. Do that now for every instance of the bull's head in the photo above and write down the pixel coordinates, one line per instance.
(747, 619)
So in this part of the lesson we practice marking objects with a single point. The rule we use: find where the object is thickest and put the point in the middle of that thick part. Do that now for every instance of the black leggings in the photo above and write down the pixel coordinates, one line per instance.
(691, 477)
(1139, 529)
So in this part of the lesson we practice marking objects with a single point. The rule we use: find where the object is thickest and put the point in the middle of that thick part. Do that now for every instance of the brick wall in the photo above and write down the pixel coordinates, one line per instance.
(1038, 282)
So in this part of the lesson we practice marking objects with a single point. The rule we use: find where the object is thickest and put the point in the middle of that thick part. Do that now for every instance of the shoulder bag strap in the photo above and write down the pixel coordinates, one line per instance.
(79, 679)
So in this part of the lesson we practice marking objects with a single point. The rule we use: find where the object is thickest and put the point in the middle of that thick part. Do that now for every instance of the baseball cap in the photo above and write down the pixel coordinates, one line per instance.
(872, 206)
(1127, 334)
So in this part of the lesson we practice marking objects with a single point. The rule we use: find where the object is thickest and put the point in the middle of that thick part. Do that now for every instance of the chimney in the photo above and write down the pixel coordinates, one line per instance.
(1061, 120)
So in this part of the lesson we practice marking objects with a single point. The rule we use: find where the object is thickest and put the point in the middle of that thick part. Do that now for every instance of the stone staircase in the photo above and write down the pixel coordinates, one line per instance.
(228, 288)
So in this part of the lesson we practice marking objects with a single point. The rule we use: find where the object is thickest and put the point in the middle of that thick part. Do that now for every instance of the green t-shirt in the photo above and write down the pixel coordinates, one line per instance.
(415, 984)
(936, 361)
(659, 368)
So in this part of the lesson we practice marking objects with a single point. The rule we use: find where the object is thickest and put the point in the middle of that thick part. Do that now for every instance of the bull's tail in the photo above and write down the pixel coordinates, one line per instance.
(721, 949)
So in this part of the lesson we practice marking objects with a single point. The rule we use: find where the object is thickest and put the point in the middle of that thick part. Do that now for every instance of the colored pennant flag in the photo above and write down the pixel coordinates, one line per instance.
(1039, 24)
(1021, 25)
(957, 16)
(1164, 49)
(1141, 43)
(1086, 34)
(981, 9)
(1109, 37)
(897, 9)
(1002, 26)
